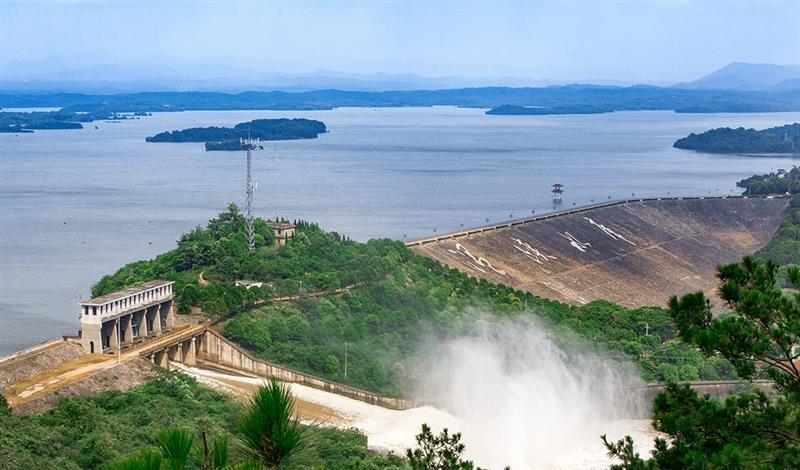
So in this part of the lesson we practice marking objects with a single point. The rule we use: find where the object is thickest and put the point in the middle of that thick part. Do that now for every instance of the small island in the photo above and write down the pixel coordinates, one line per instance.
(775, 140)
(515, 110)
(227, 138)
(25, 122)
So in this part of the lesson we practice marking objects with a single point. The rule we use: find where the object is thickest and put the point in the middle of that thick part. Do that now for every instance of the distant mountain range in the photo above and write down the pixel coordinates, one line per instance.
(734, 88)
(749, 77)
(132, 78)
(554, 99)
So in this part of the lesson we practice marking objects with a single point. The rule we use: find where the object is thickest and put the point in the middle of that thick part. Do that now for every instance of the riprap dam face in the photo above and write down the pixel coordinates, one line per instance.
(635, 253)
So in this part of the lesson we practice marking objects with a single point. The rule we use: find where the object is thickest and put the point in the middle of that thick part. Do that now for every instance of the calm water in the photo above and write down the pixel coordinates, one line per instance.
(77, 204)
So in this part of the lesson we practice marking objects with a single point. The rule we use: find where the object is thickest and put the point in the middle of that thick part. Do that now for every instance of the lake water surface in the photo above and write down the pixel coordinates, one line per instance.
(77, 204)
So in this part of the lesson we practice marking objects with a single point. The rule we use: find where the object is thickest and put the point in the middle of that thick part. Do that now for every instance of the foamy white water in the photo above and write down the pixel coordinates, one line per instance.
(528, 421)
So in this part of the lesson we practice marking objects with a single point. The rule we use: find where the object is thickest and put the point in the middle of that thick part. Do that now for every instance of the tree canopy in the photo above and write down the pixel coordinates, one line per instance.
(760, 337)
(783, 139)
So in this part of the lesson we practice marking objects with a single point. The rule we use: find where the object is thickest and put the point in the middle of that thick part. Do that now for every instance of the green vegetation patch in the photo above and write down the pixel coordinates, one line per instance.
(785, 182)
(783, 139)
(784, 248)
(93, 432)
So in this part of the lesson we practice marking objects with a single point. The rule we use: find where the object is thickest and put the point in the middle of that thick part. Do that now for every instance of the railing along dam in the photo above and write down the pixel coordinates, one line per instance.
(635, 252)
(202, 346)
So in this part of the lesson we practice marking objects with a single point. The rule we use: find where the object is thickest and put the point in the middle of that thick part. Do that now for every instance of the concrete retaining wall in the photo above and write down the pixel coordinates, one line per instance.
(218, 350)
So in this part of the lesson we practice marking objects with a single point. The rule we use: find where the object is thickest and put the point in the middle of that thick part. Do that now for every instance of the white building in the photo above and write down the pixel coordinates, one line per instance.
(127, 316)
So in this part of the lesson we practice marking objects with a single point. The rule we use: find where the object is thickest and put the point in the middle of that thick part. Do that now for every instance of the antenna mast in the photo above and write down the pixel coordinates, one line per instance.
(250, 145)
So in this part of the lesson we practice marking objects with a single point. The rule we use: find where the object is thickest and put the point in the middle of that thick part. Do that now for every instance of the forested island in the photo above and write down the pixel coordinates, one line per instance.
(514, 110)
(24, 122)
(775, 140)
(227, 138)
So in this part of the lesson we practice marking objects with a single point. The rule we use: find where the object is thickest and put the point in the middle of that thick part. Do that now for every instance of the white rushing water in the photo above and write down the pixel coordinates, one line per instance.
(517, 399)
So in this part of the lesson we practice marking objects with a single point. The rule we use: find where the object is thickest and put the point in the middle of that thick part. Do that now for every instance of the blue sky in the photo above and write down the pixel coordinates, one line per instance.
(642, 41)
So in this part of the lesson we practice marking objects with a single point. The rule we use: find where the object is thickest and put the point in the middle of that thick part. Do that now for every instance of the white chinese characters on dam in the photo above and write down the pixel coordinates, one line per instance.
(577, 244)
(531, 252)
(608, 231)
(478, 262)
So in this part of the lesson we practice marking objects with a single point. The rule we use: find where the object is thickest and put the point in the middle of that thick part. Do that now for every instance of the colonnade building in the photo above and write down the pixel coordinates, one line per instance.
(111, 322)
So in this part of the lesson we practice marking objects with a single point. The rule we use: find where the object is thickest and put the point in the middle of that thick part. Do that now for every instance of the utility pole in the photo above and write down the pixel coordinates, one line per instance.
(345, 361)
(250, 145)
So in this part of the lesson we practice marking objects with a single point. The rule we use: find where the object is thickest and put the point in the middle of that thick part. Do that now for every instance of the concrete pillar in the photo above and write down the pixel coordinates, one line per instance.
(141, 318)
(175, 352)
(127, 326)
(162, 359)
(169, 313)
(156, 321)
(201, 346)
(190, 353)
(113, 342)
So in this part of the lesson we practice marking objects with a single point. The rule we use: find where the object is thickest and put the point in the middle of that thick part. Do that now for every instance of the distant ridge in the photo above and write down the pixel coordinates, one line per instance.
(749, 77)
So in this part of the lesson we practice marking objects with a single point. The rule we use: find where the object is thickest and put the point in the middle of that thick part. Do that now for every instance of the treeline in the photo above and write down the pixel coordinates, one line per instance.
(226, 138)
(783, 139)
(633, 98)
(785, 182)
(395, 300)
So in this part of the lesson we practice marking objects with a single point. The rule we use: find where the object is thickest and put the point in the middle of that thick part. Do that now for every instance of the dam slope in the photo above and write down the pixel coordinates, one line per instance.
(634, 252)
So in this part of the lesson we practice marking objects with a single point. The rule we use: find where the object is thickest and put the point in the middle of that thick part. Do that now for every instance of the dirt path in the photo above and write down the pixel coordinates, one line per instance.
(76, 370)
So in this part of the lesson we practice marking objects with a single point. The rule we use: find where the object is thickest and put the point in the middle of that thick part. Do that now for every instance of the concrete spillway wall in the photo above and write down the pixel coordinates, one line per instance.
(221, 353)
(633, 252)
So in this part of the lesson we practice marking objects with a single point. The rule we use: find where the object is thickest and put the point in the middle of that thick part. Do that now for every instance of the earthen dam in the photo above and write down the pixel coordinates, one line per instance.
(633, 252)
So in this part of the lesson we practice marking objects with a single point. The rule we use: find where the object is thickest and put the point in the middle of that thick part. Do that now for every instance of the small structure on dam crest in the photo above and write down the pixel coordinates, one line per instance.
(113, 321)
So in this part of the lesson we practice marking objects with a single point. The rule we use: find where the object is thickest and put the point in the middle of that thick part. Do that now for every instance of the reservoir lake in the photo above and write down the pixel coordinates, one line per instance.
(78, 204)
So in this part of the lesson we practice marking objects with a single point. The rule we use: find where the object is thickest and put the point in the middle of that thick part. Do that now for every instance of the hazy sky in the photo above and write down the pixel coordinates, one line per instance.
(636, 40)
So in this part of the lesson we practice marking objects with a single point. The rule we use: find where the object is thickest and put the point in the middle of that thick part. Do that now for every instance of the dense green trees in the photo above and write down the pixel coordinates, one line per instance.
(438, 452)
(5, 409)
(269, 432)
(760, 337)
(785, 183)
(784, 247)
(150, 425)
(783, 139)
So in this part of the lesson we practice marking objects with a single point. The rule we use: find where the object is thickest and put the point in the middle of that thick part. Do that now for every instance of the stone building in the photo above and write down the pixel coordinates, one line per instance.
(282, 231)
(126, 317)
